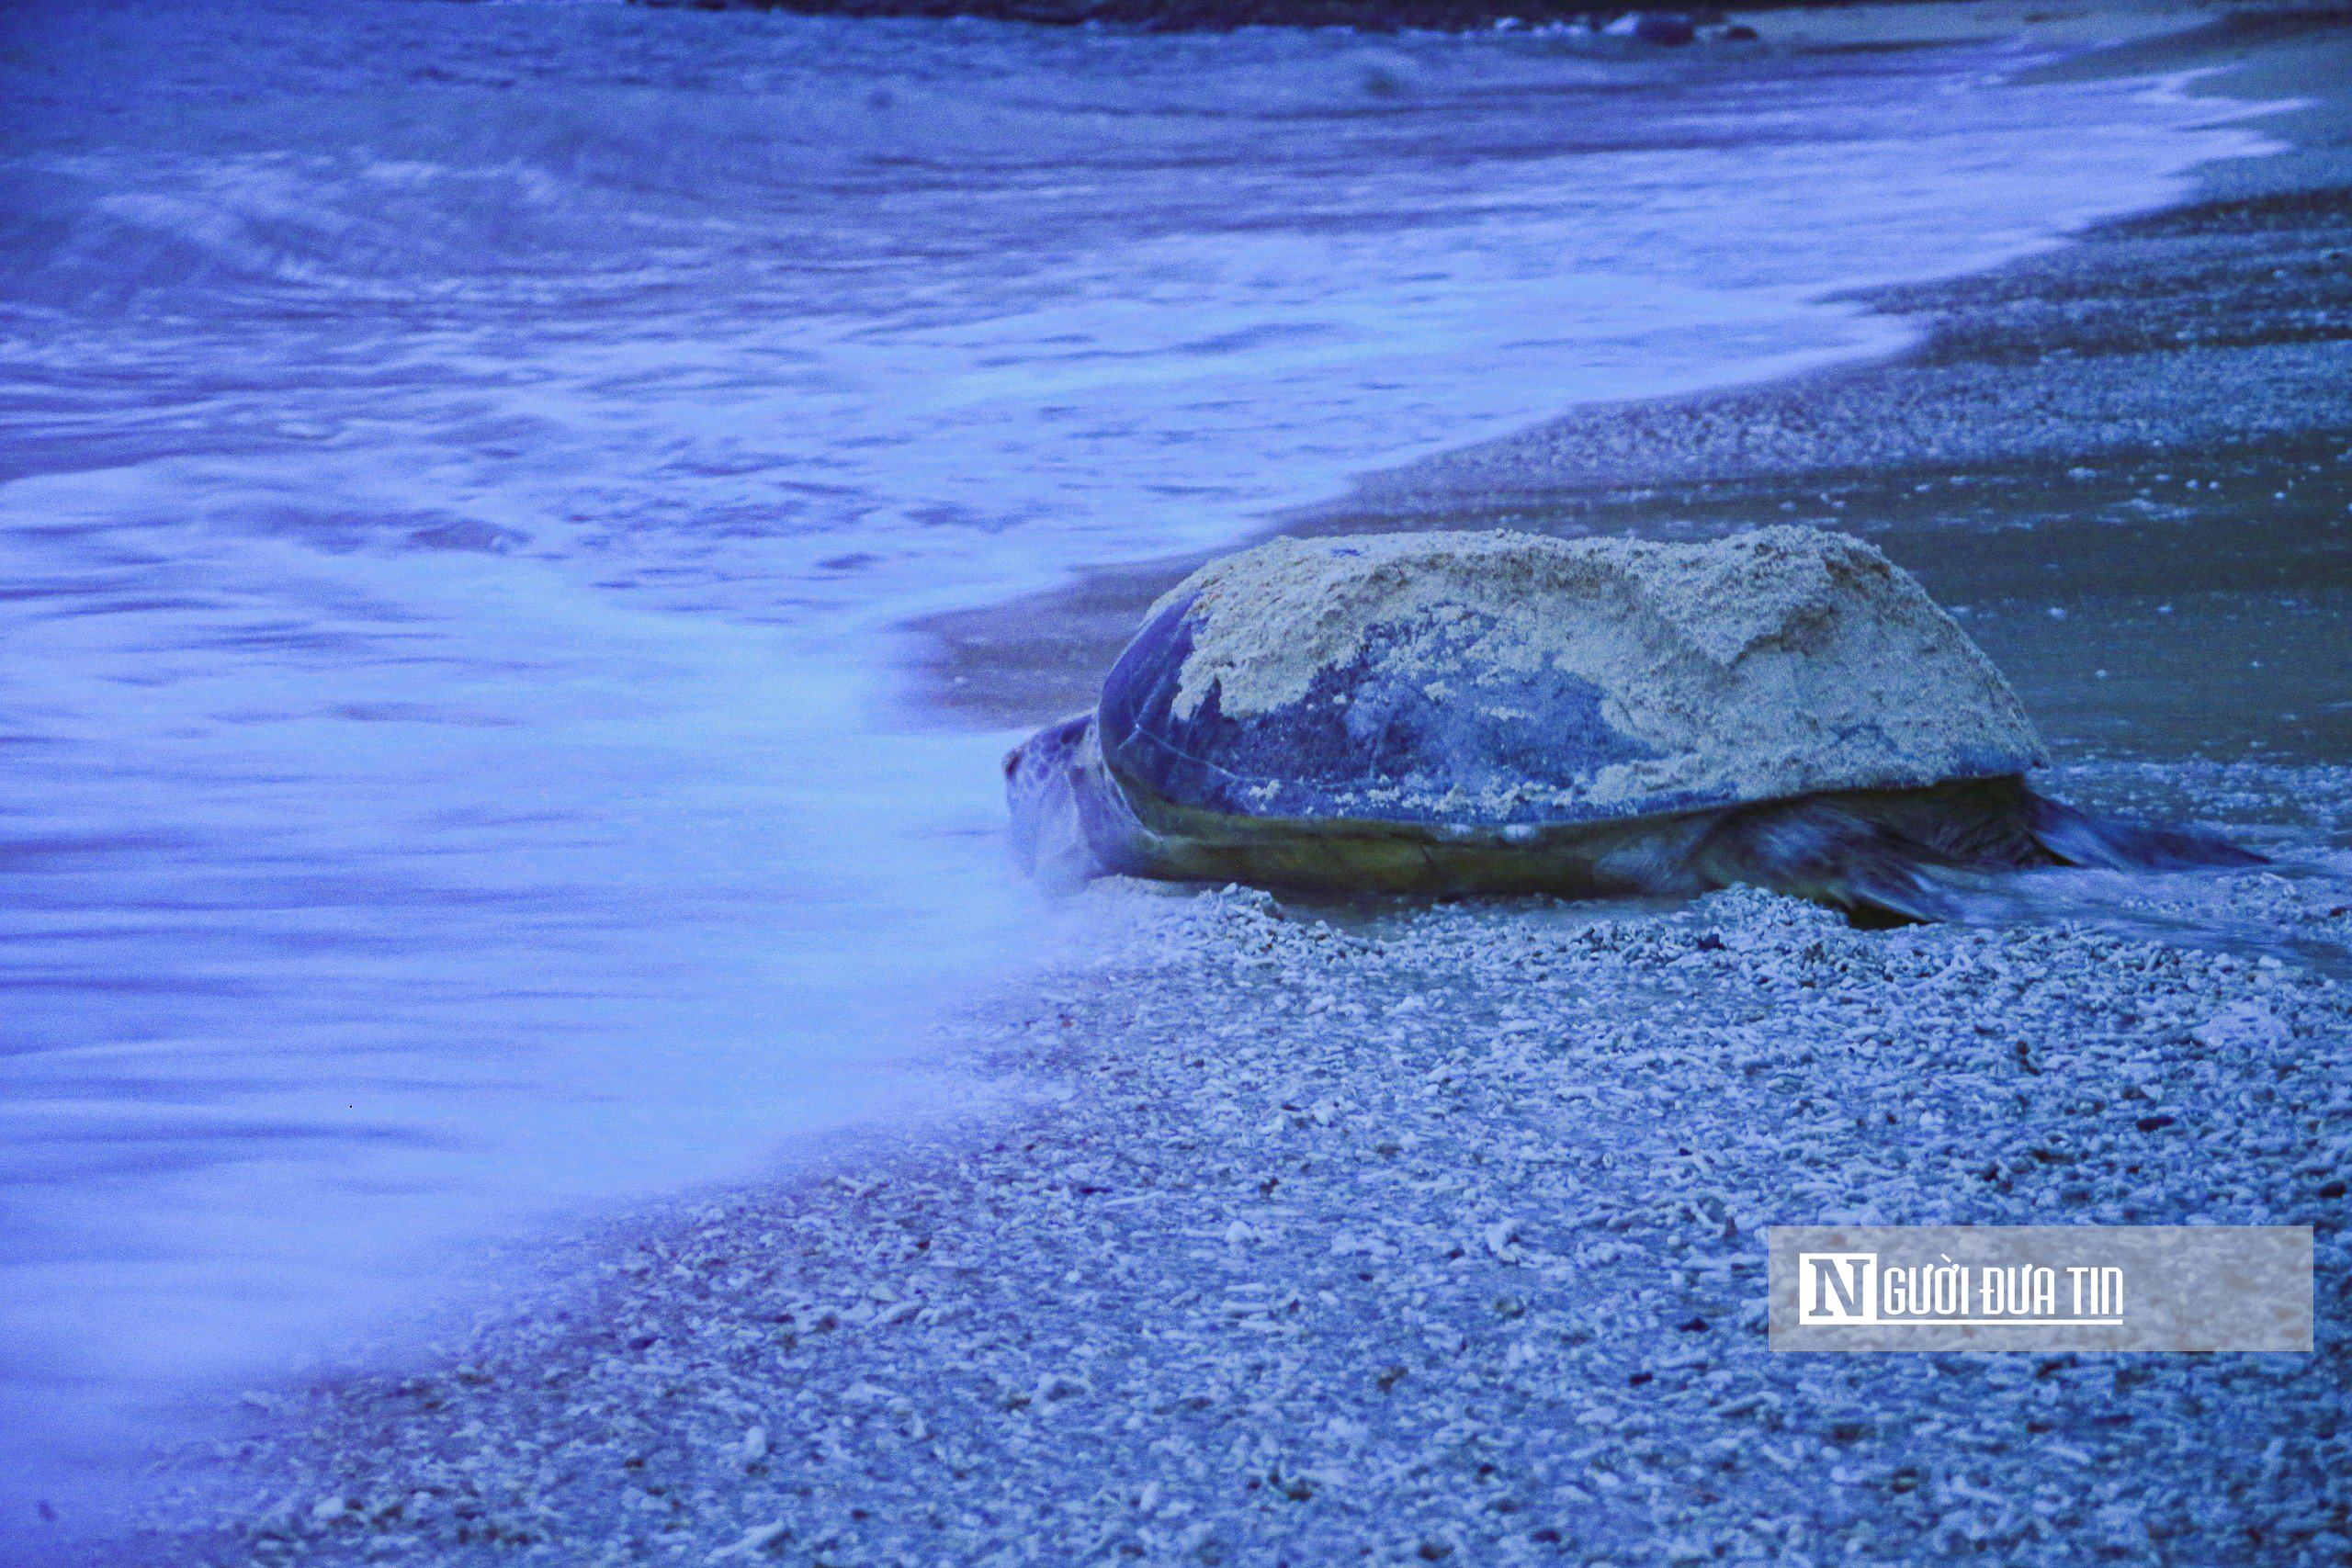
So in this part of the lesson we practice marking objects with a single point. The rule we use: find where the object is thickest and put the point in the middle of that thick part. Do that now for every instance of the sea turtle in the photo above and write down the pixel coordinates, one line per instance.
(1506, 712)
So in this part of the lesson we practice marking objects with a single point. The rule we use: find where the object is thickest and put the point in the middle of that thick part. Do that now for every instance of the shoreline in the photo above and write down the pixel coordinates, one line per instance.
(1395, 1234)
(2094, 378)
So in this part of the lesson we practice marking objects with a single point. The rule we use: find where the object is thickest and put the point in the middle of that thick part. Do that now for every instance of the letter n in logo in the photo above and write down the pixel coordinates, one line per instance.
(1836, 1287)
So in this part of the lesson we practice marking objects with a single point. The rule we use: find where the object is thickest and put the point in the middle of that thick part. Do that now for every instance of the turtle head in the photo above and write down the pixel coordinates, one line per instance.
(1043, 776)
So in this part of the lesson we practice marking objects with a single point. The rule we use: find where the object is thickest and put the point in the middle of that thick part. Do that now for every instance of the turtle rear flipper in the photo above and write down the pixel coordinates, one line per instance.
(2076, 838)
(1891, 856)
(1827, 850)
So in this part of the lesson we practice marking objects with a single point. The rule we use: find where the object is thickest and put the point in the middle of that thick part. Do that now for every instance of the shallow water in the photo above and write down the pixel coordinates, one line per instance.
(463, 463)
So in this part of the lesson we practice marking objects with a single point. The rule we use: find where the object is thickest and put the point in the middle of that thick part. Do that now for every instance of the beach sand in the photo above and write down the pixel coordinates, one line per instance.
(1400, 1233)
(1431, 1233)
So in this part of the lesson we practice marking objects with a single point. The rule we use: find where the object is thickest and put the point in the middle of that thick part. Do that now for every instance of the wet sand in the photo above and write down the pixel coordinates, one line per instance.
(1404, 1233)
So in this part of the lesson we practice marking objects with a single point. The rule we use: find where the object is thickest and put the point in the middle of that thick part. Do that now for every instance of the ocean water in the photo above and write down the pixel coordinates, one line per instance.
(463, 465)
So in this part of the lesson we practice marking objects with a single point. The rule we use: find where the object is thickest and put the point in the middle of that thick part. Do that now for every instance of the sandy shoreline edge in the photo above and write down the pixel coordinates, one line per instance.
(1394, 1235)
(2090, 380)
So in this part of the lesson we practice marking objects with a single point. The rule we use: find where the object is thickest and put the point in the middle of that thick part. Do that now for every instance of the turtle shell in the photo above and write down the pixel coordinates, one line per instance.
(1498, 680)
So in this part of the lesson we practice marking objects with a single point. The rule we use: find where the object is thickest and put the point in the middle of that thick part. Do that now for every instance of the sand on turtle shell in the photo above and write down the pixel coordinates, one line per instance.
(1776, 663)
